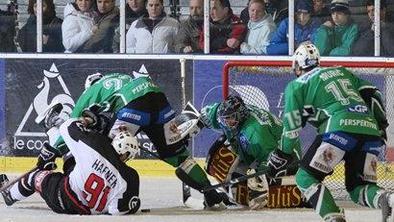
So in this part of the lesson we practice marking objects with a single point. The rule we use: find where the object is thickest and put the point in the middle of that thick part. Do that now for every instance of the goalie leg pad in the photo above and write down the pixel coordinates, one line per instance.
(258, 191)
(221, 163)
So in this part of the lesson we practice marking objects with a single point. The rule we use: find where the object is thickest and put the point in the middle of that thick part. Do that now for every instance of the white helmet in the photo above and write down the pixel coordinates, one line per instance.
(92, 78)
(124, 142)
(306, 56)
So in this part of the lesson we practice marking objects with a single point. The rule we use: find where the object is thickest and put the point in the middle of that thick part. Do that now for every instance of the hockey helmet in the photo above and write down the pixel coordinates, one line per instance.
(92, 79)
(124, 142)
(232, 112)
(306, 56)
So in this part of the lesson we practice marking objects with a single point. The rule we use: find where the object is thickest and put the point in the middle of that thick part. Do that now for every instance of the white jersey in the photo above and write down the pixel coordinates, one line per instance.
(100, 179)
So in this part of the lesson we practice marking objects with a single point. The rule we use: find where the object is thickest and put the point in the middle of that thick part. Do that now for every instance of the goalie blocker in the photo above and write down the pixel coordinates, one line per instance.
(222, 164)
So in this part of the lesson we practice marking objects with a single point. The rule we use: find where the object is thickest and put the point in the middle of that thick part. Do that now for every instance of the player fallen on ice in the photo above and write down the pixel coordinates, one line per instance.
(118, 102)
(350, 120)
(250, 134)
(99, 183)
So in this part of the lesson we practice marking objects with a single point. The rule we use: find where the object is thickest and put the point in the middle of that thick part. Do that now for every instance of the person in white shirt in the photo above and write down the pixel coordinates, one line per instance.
(78, 25)
(100, 182)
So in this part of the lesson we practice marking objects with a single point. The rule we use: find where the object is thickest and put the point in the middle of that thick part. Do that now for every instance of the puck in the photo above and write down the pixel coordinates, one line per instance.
(145, 210)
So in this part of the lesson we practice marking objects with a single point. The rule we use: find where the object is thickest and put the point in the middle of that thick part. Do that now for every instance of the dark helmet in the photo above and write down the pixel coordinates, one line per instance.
(232, 111)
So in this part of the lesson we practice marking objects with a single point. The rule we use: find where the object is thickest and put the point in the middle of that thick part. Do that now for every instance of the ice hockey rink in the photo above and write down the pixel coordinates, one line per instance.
(163, 196)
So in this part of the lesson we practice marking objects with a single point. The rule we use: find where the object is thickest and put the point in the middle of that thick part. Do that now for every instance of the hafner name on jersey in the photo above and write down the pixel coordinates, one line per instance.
(102, 169)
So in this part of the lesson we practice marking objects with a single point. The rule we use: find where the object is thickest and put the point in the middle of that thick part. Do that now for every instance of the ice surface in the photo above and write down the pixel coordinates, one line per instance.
(163, 196)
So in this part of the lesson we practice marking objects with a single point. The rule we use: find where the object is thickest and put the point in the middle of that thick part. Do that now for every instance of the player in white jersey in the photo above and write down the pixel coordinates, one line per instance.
(99, 183)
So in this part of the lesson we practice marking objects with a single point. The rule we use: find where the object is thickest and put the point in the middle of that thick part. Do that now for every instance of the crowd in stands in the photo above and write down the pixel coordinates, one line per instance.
(92, 26)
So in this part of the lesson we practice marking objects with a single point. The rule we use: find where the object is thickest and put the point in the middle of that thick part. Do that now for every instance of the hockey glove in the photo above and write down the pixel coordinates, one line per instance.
(258, 191)
(47, 157)
(278, 161)
(55, 116)
(97, 122)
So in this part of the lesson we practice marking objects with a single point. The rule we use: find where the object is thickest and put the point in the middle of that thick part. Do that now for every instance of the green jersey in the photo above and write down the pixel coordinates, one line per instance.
(113, 92)
(255, 138)
(329, 99)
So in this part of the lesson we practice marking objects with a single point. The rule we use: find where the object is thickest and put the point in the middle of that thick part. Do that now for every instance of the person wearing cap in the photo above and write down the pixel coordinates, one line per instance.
(336, 37)
(227, 31)
(261, 27)
(364, 46)
(304, 29)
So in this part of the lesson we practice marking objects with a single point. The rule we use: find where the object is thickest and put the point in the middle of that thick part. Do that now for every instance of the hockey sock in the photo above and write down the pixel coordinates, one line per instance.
(316, 194)
(178, 159)
(23, 188)
(366, 195)
(192, 174)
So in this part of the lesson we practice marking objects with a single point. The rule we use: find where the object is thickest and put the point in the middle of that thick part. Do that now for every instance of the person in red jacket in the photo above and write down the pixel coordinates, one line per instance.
(227, 31)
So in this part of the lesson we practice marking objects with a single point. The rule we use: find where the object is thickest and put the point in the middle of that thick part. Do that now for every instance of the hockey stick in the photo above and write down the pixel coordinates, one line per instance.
(186, 191)
(10, 183)
(235, 181)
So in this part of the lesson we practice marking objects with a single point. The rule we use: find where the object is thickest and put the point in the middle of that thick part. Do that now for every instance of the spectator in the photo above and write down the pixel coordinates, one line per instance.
(261, 26)
(278, 9)
(154, 32)
(304, 29)
(320, 11)
(7, 31)
(187, 39)
(134, 10)
(226, 30)
(336, 37)
(51, 29)
(364, 46)
(106, 20)
(78, 25)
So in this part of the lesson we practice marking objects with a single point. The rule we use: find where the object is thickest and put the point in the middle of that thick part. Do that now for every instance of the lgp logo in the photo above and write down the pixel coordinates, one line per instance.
(34, 140)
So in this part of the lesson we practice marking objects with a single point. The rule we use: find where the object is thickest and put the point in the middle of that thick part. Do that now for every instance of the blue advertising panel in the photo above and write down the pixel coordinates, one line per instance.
(268, 88)
(35, 83)
(2, 106)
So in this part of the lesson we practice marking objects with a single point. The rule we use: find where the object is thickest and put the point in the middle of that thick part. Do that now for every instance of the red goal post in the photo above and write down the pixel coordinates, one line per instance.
(256, 81)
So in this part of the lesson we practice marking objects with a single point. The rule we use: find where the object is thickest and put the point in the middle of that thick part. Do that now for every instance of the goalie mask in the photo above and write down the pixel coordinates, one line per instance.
(232, 112)
(92, 79)
(306, 56)
(124, 142)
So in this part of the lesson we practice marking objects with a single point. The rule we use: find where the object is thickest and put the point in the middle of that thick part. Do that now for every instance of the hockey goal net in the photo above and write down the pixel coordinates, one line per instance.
(262, 83)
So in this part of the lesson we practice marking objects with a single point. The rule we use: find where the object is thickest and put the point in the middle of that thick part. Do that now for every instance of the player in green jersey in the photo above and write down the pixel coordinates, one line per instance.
(350, 120)
(251, 133)
(138, 105)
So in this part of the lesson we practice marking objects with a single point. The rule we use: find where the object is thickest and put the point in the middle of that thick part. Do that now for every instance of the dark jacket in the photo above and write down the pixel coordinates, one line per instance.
(7, 31)
(365, 45)
(232, 27)
(188, 35)
(102, 39)
(27, 36)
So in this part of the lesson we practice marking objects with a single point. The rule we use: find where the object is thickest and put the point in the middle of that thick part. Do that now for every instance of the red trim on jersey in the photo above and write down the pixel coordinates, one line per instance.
(77, 203)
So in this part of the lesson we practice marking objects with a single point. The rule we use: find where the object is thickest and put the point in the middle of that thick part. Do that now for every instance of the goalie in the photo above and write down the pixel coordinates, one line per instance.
(133, 103)
(250, 134)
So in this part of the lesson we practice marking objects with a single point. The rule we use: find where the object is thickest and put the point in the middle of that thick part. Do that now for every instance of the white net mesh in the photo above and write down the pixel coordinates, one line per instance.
(262, 85)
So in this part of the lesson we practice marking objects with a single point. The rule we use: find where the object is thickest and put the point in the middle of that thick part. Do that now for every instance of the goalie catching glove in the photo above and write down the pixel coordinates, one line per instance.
(258, 191)
(47, 157)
